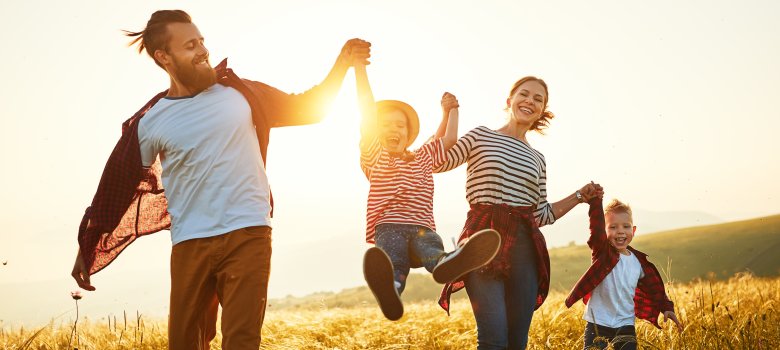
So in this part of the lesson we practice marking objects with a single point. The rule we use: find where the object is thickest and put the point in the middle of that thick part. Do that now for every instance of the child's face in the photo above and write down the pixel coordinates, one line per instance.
(620, 230)
(393, 131)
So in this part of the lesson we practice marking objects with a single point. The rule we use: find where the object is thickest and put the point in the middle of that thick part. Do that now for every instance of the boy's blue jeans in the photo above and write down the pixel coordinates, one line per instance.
(503, 307)
(399, 241)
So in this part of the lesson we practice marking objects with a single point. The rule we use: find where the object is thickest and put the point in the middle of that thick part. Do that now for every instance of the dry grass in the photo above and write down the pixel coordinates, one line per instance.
(740, 313)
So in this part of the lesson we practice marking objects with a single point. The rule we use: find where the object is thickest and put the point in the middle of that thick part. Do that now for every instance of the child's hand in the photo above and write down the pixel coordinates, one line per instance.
(671, 316)
(448, 102)
(356, 52)
(590, 191)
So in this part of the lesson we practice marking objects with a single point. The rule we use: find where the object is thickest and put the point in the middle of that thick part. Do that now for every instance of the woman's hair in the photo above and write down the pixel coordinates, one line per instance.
(543, 121)
(155, 36)
(616, 206)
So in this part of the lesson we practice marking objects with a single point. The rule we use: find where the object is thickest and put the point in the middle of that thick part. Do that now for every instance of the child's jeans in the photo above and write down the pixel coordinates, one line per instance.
(623, 338)
(401, 240)
(503, 308)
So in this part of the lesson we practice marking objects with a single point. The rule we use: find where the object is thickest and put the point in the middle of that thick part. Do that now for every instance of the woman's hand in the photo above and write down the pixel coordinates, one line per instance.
(590, 191)
(448, 102)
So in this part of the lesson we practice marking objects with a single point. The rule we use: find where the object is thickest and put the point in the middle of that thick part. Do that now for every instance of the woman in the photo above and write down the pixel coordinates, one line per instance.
(506, 187)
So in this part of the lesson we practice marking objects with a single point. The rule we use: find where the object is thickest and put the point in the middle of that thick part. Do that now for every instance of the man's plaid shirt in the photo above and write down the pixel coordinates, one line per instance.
(130, 200)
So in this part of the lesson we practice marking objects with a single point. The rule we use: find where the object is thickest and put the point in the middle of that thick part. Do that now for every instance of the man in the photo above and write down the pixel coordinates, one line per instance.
(210, 130)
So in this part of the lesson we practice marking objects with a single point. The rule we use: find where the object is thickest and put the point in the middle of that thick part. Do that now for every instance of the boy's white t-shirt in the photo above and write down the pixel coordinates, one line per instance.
(213, 173)
(611, 303)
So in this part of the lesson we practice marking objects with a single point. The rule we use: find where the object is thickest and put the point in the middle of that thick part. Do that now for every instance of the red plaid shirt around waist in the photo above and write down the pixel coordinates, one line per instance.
(650, 297)
(505, 219)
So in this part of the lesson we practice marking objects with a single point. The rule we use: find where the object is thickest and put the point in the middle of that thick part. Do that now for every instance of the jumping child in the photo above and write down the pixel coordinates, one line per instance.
(400, 199)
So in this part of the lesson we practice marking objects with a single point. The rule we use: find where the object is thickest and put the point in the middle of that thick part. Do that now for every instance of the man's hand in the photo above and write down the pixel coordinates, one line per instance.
(448, 101)
(671, 316)
(81, 274)
(356, 51)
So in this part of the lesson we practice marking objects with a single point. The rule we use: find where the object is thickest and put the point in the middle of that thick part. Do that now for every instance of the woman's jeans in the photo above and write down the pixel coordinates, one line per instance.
(623, 338)
(401, 242)
(503, 307)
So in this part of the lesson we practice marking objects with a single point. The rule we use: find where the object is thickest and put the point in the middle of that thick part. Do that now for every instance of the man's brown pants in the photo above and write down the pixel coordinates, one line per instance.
(231, 270)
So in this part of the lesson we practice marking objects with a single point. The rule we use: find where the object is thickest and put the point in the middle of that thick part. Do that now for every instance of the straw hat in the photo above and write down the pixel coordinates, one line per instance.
(412, 121)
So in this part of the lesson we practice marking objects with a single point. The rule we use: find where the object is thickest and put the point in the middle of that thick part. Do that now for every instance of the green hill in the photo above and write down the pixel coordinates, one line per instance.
(713, 251)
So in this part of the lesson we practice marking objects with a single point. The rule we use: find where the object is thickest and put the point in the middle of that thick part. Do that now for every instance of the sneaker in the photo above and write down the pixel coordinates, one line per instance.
(378, 272)
(476, 252)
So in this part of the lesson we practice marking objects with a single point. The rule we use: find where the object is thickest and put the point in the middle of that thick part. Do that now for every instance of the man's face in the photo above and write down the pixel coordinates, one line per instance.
(187, 59)
(620, 230)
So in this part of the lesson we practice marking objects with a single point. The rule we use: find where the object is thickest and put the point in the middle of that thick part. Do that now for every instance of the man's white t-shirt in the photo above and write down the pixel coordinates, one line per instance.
(611, 303)
(213, 173)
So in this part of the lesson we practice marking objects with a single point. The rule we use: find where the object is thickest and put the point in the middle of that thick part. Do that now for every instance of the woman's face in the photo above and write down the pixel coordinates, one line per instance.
(527, 103)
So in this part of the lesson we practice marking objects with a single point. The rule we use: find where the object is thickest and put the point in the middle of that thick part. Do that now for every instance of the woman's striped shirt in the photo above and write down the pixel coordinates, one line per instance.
(502, 170)
(400, 192)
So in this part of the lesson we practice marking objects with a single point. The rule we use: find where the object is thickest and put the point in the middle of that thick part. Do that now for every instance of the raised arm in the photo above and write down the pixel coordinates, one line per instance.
(311, 106)
(366, 104)
(449, 105)
(563, 206)
(598, 231)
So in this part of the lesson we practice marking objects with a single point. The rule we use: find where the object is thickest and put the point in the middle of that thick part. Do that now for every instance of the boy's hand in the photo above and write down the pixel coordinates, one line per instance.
(448, 102)
(591, 190)
(671, 316)
(356, 51)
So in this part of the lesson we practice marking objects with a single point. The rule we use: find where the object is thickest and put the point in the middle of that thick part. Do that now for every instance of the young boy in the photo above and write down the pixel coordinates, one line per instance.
(620, 284)
(399, 218)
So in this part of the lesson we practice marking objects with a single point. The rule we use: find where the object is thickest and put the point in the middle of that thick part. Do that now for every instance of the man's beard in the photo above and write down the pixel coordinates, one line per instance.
(195, 79)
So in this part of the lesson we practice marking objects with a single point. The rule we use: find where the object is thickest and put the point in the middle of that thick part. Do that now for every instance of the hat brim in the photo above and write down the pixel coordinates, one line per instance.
(412, 120)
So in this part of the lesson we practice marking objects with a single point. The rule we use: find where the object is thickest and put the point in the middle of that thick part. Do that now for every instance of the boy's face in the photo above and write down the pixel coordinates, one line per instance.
(620, 230)
(394, 131)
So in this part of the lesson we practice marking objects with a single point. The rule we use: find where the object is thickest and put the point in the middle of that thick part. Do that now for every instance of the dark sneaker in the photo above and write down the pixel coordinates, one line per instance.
(476, 252)
(378, 272)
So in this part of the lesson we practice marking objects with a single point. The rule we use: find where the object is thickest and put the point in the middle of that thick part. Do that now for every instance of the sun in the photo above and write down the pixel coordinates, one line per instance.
(343, 118)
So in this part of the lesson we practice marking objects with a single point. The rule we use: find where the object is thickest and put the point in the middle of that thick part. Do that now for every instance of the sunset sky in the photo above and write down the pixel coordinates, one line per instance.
(670, 105)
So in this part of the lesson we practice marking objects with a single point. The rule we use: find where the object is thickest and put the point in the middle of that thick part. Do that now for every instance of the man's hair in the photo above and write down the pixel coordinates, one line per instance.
(155, 36)
(616, 206)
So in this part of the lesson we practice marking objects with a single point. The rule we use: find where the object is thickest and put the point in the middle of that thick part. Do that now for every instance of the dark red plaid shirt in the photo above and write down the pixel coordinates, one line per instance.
(650, 297)
(504, 219)
(130, 201)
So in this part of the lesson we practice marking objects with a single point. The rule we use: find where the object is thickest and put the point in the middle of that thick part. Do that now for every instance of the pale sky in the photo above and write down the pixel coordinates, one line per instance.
(669, 105)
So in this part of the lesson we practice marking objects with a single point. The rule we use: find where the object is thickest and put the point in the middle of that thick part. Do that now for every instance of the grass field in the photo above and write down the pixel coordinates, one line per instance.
(708, 252)
(739, 313)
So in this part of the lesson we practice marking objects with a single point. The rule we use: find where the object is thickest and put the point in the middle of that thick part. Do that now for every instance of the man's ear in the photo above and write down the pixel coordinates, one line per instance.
(162, 57)
(633, 230)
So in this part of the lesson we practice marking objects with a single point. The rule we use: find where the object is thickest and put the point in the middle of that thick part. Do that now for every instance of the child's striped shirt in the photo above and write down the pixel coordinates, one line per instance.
(400, 192)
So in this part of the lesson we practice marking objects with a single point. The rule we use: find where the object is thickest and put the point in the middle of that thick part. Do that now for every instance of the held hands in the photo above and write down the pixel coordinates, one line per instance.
(448, 102)
(669, 315)
(590, 191)
(355, 52)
